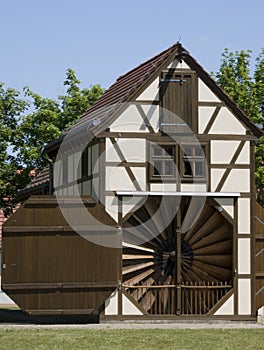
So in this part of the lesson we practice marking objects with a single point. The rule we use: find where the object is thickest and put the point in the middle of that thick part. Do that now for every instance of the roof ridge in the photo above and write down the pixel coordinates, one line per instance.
(170, 48)
(129, 73)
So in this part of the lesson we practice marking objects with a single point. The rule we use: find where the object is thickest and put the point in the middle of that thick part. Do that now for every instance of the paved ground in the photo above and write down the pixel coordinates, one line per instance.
(142, 325)
(18, 320)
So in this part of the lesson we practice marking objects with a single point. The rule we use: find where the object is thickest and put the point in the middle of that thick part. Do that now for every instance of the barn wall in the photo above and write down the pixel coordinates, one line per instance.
(229, 171)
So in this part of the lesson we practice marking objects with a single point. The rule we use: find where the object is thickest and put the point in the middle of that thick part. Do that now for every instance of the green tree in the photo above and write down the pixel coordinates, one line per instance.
(28, 123)
(247, 91)
(50, 118)
(11, 106)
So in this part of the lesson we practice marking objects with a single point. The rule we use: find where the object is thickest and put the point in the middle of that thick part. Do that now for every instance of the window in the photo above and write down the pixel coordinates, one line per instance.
(193, 162)
(89, 161)
(167, 160)
(162, 162)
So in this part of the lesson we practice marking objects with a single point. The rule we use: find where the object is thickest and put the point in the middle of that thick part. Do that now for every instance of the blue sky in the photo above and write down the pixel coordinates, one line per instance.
(101, 40)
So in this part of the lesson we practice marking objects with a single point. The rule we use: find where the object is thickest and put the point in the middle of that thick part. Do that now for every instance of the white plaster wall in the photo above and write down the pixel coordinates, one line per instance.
(244, 256)
(227, 204)
(244, 296)
(129, 308)
(244, 156)
(216, 175)
(244, 215)
(227, 308)
(133, 150)
(163, 187)
(152, 113)
(129, 121)
(74, 170)
(117, 178)
(204, 116)
(178, 64)
(111, 206)
(223, 151)
(110, 152)
(237, 181)
(261, 311)
(193, 187)
(111, 304)
(140, 175)
(226, 123)
(205, 94)
(57, 173)
(151, 93)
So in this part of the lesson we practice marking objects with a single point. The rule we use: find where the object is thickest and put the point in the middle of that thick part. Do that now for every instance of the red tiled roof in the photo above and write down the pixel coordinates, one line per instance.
(124, 87)
(98, 115)
(2, 220)
(37, 184)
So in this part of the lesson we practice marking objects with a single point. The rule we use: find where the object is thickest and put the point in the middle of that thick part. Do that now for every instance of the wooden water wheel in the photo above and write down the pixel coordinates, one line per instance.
(188, 275)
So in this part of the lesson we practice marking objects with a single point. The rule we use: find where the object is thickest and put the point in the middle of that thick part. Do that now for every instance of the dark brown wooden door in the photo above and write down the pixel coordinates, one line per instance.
(179, 96)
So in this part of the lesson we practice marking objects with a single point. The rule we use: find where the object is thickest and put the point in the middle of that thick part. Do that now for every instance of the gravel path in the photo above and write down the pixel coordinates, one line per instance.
(142, 325)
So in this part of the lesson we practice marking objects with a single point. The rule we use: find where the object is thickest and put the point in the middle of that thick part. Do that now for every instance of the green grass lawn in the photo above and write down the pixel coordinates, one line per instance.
(131, 339)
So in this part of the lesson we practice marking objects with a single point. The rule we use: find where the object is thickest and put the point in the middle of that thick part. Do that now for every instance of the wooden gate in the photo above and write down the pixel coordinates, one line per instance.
(196, 298)
(259, 256)
(48, 268)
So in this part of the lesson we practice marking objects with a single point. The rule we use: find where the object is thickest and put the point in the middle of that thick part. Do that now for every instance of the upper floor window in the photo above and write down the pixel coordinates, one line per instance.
(167, 162)
(193, 162)
(162, 162)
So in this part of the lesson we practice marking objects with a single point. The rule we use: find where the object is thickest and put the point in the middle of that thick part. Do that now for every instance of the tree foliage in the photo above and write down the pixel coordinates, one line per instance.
(11, 106)
(28, 122)
(246, 89)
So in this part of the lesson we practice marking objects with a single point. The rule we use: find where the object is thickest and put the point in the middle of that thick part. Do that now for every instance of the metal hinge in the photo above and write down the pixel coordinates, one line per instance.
(181, 81)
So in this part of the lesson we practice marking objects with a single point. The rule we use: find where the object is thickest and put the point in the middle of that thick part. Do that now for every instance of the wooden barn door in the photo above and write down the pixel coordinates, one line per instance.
(179, 96)
(48, 268)
(259, 256)
(179, 271)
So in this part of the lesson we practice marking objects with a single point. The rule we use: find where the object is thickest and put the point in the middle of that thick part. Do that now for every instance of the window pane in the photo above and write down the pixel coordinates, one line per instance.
(168, 151)
(187, 169)
(157, 167)
(188, 151)
(198, 169)
(199, 152)
(168, 168)
(157, 150)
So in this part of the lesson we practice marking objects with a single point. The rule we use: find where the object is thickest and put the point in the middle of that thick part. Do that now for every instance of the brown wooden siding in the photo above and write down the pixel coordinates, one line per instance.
(179, 95)
(49, 268)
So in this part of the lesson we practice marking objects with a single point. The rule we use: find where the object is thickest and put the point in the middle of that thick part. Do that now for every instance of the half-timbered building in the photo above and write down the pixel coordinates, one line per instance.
(151, 206)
